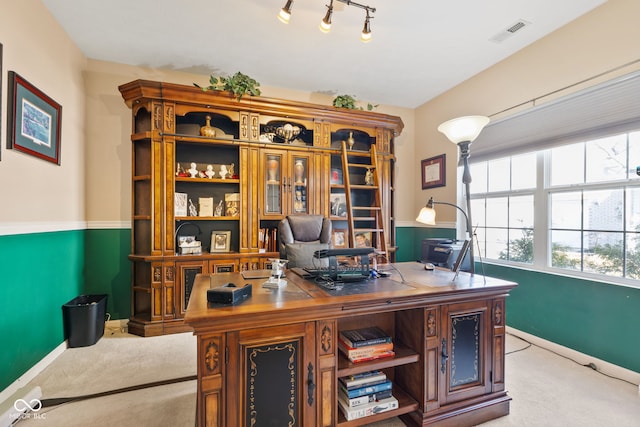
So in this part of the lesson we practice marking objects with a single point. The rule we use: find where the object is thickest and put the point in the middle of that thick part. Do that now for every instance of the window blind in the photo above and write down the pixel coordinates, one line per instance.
(605, 109)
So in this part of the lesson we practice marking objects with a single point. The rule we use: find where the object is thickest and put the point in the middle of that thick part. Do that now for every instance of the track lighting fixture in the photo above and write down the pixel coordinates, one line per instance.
(325, 24)
(285, 12)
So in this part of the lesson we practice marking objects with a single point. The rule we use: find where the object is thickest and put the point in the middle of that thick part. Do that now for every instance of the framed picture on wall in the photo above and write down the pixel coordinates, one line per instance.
(433, 172)
(33, 120)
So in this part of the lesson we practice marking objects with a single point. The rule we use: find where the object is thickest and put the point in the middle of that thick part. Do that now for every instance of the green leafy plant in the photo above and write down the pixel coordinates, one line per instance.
(348, 101)
(238, 84)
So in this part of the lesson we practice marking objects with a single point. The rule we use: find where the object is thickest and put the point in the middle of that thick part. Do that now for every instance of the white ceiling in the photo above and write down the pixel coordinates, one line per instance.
(419, 48)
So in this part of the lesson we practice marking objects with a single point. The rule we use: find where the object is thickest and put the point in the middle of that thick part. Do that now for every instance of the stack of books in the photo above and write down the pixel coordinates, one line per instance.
(365, 394)
(364, 344)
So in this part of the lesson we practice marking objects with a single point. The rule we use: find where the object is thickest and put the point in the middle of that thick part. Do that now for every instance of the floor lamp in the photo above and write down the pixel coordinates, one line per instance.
(463, 131)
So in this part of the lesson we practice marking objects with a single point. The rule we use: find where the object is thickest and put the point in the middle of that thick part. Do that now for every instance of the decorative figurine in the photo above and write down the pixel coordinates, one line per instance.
(368, 176)
(192, 209)
(232, 172)
(218, 211)
(194, 171)
(210, 173)
(276, 281)
(223, 171)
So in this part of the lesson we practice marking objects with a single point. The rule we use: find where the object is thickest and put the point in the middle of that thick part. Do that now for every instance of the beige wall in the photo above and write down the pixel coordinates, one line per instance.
(34, 191)
(108, 155)
(603, 40)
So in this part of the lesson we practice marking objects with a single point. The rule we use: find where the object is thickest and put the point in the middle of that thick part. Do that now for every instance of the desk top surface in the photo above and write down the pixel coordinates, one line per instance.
(409, 286)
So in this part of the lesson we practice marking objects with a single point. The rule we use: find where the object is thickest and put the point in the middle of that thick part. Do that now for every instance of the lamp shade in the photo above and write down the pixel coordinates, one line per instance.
(427, 216)
(463, 129)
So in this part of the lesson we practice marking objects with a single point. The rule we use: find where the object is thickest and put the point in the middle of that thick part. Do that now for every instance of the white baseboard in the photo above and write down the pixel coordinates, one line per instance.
(603, 366)
(31, 373)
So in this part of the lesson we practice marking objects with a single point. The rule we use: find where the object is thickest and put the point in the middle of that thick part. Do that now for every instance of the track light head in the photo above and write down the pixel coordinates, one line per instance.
(366, 30)
(325, 24)
(285, 12)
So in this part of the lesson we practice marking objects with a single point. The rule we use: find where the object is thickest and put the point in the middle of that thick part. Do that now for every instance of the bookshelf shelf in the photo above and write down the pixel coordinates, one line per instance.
(406, 404)
(404, 355)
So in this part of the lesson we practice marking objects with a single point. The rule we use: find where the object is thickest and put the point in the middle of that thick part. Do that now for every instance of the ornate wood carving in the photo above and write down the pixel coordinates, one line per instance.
(157, 116)
(212, 356)
(169, 273)
(431, 324)
(326, 339)
(497, 314)
(157, 274)
(169, 118)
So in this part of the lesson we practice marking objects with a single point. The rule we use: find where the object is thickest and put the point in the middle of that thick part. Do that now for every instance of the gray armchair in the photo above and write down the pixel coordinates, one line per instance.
(300, 236)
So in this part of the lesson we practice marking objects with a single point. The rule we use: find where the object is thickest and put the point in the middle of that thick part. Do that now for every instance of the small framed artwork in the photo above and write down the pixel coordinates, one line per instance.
(339, 238)
(363, 239)
(220, 241)
(338, 204)
(433, 172)
(34, 120)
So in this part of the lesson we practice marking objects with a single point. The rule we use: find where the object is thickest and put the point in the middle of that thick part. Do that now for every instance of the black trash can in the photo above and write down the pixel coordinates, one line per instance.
(84, 318)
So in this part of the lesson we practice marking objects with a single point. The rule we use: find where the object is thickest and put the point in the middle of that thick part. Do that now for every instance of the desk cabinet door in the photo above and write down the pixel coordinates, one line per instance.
(465, 358)
(277, 371)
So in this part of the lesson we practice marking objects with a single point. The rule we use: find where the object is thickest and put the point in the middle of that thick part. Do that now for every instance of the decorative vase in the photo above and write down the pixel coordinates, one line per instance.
(351, 141)
(272, 169)
(207, 130)
(299, 172)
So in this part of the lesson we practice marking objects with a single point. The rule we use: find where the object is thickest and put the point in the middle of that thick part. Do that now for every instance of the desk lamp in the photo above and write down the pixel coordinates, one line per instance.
(461, 131)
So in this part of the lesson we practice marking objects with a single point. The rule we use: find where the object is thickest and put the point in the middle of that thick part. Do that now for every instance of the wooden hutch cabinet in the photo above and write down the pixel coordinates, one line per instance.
(262, 159)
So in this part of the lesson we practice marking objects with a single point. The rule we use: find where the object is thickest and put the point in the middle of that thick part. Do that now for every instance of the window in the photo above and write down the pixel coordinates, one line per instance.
(502, 192)
(573, 207)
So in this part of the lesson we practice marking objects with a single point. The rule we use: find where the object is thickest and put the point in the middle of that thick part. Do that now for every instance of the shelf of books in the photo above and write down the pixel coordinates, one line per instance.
(365, 393)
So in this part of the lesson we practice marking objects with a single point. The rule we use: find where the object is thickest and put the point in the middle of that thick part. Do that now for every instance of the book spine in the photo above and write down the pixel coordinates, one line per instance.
(357, 392)
(365, 351)
(372, 341)
(365, 378)
(362, 400)
(390, 353)
(369, 409)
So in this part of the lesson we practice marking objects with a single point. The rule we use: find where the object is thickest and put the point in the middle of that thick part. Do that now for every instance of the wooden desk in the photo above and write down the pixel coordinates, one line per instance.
(274, 358)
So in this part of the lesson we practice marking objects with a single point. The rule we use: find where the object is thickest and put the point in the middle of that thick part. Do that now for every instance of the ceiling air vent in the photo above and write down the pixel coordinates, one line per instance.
(510, 31)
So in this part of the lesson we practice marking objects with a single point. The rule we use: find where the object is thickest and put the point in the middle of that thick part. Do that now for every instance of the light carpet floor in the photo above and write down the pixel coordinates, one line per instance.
(547, 390)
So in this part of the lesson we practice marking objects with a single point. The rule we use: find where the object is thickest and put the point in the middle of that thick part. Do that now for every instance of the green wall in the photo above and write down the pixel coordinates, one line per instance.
(39, 273)
(594, 318)
(108, 269)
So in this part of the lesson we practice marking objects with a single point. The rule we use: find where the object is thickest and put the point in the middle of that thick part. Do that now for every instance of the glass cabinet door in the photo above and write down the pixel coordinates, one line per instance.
(274, 184)
(299, 188)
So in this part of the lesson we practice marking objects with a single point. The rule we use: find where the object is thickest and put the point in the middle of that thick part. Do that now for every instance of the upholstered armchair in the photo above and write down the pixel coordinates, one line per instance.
(300, 236)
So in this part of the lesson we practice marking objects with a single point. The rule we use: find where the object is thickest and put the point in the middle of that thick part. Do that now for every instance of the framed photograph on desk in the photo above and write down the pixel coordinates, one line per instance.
(433, 172)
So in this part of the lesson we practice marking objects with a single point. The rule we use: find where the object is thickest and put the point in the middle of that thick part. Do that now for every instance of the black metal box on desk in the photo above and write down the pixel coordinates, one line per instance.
(443, 252)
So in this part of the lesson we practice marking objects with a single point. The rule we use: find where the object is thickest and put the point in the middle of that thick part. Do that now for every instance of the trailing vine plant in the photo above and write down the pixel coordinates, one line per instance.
(239, 84)
(349, 101)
